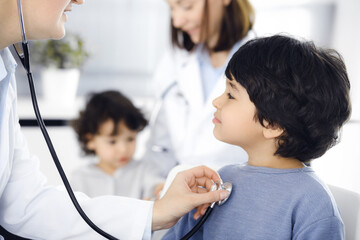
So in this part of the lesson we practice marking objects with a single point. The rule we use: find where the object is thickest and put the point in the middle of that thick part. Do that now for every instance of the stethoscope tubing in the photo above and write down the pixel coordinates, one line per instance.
(25, 60)
(198, 224)
(55, 157)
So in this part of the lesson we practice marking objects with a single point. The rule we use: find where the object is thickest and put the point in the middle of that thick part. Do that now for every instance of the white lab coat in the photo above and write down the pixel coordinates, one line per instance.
(31, 209)
(181, 126)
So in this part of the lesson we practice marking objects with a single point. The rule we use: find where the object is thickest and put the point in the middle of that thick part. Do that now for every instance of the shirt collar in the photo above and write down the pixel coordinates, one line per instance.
(7, 63)
(201, 53)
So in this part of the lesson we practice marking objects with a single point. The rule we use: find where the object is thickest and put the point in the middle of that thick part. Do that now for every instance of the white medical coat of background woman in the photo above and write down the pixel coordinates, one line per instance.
(181, 125)
(31, 209)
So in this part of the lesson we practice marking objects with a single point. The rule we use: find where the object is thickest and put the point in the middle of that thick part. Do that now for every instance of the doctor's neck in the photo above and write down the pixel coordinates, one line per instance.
(218, 59)
(10, 32)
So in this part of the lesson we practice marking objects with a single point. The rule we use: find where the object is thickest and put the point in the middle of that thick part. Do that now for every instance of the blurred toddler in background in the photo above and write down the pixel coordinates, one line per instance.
(108, 128)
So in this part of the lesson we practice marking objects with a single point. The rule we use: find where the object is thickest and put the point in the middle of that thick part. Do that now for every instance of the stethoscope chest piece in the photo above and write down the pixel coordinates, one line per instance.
(222, 186)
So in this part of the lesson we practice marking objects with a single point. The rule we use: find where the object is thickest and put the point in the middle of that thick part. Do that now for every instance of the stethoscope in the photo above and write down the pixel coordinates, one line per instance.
(22, 50)
(216, 186)
(156, 111)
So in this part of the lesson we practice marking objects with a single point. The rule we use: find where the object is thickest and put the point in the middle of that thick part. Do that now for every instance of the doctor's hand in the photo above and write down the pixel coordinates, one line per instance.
(190, 189)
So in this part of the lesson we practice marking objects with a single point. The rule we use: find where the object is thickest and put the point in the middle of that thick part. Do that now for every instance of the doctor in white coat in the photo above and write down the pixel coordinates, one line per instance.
(205, 34)
(30, 208)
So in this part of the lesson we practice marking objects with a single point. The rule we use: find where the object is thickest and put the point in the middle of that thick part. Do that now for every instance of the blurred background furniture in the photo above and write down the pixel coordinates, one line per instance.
(348, 203)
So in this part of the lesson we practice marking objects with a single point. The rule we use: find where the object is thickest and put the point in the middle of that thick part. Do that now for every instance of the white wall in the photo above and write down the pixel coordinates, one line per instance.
(66, 146)
(346, 39)
(340, 166)
(126, 38)
(311, 20)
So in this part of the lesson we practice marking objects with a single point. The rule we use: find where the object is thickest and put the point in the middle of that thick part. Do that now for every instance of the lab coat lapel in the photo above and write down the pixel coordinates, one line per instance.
(190, 82)
(191, 87)
(219, 88)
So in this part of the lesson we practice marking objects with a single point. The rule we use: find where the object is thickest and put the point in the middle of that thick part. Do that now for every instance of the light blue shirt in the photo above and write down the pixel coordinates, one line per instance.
(268, 204)
(209, 74)
(137, 179)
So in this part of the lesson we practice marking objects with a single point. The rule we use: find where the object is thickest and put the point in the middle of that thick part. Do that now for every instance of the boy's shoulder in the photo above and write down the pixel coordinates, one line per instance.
(301, 185)
(299, 200)
(230, 167)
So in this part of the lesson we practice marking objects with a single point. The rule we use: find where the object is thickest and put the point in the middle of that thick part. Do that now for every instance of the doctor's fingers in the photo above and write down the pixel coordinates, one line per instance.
(200, 211)
(198, 172)
(200, 184)
(209, 197)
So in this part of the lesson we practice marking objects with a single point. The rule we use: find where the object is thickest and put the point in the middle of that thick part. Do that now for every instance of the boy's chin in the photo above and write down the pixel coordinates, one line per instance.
(215, 135)
(221, 139)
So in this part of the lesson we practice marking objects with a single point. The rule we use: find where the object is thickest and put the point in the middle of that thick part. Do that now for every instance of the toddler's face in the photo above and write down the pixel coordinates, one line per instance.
(234, 119)
(113, 151)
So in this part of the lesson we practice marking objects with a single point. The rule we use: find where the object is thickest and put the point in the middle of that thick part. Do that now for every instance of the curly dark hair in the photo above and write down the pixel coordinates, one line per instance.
(298, 87)
(101, 107)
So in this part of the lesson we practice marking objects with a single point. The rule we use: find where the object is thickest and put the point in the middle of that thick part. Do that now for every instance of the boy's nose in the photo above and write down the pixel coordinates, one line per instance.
(216, 102)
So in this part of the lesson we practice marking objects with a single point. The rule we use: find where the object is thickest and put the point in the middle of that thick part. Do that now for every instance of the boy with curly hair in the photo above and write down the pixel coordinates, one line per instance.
(285, 102)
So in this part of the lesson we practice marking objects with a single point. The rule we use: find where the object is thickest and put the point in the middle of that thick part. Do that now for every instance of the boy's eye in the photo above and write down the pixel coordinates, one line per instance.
(131, 139)
(112, 142)
(230, 96)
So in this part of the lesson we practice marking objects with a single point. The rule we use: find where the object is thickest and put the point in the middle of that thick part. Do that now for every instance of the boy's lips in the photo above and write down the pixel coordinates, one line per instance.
(216, 120)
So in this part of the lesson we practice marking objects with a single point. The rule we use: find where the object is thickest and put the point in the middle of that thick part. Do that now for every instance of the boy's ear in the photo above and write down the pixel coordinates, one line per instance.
(90, 141)
(270, 132)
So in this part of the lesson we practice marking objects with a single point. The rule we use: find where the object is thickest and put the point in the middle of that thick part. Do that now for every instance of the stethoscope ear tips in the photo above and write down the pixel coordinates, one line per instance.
(221, 186)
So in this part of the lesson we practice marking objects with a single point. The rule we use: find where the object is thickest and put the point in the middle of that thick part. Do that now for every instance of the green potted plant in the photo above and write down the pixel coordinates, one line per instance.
(61, 61)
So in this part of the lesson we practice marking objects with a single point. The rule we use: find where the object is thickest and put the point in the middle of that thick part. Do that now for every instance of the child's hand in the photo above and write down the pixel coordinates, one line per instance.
(184, 195)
